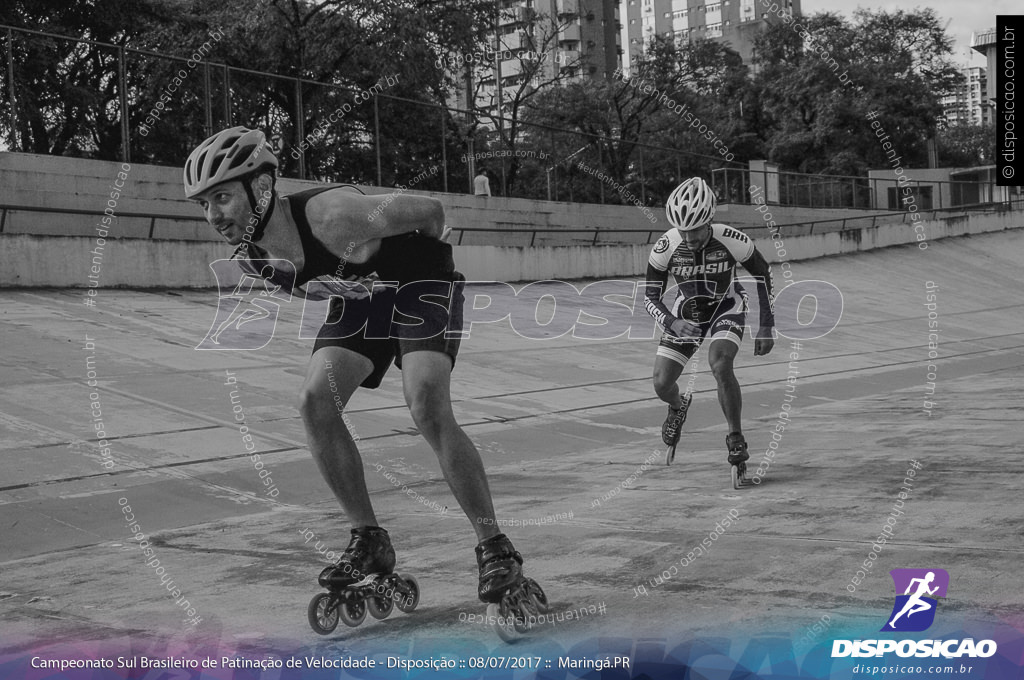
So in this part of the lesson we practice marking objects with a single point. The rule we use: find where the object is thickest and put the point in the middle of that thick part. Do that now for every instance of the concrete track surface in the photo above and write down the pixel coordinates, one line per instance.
(569, 429)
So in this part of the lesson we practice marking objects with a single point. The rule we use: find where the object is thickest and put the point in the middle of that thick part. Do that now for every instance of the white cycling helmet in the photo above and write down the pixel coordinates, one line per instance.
(230, 154)
(691, 204)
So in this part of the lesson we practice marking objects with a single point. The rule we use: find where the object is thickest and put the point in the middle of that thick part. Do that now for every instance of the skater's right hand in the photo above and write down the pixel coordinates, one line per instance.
(351, 288)
(681, 328)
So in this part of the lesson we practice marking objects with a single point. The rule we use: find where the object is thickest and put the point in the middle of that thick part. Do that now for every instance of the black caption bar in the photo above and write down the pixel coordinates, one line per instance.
(1009, 154)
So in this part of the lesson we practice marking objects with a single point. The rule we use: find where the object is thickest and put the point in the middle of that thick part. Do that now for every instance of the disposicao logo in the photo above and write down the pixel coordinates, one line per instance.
(914, 611)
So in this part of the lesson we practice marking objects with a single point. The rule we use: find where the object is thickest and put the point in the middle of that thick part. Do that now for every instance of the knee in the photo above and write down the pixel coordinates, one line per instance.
(663, 381)
(316, 403)
(721, 368)
(430, 415)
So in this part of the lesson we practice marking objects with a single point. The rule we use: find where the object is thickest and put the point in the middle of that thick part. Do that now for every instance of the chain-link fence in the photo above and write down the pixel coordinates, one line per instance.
(77, 97)
(83, 98)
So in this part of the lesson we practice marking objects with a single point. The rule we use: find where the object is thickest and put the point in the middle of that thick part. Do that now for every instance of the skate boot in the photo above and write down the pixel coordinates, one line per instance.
(738, 457)
(362, 580)
(368, 552)
(514, 601)
(672, 428)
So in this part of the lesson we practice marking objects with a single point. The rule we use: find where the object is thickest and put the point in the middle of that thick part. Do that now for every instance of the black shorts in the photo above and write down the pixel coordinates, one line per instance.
(416, 306)
(726, 322)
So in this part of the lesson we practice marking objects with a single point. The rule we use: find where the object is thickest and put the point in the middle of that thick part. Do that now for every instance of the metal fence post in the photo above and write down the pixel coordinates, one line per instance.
(227, 96)
(126, 150)
(300, 126)
(376, 137)
(10, 90)
(208, 99)
(444, 149)
(554, 167)
(643, 190)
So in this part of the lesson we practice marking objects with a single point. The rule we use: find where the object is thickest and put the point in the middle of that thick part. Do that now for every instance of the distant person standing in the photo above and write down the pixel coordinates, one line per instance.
(481, 184)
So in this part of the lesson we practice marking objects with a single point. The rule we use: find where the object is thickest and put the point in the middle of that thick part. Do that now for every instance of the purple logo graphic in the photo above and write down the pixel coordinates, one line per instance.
(916, 590)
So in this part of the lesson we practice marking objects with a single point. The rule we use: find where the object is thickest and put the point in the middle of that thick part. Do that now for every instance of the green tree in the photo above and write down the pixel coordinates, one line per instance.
(967, 146)
(66, 93)
(527, 52)
(816, 87)
(666, 89)
(68, 101)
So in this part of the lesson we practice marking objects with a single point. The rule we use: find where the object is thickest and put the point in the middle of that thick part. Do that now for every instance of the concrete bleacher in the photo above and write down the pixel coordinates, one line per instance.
(169, 245)
(55, 182)
(61, 183)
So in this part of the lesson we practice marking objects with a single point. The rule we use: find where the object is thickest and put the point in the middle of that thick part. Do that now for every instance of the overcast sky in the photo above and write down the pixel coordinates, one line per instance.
(964, 17)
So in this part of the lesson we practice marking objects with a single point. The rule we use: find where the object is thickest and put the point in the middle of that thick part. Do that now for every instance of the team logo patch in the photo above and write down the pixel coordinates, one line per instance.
(717, 255)
(662, 245)
(914, 610)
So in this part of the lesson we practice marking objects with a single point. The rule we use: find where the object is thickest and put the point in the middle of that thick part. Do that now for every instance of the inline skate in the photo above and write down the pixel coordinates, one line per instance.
(672, 428)
(512, 599)
(362, 581)
(738, 456)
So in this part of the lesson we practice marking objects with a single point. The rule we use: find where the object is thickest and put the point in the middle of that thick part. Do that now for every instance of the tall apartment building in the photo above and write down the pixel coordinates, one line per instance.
(984, 42)
(967, 105)
(576, 38)
(733, 22)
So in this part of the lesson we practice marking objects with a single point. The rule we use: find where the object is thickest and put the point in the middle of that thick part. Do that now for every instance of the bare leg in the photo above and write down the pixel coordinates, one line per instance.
(333, 375)
(666, 376)
(720, 356)
(426, 378)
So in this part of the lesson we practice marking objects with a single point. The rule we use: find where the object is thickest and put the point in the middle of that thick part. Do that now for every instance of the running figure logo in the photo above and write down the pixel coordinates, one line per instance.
(248, 305)
(914, 610)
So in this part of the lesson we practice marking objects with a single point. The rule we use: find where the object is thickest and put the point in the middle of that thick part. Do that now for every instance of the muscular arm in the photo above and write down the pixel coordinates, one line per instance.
(762, 271)
(654, 288)
(342, 218)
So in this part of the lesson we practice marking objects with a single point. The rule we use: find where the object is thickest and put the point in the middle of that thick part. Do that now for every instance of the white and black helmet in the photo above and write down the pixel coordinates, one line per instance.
(691, 204)
(231, 154)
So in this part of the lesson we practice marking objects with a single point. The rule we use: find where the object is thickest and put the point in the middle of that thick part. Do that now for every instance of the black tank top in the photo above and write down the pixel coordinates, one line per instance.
(406, 257)
(319, 261)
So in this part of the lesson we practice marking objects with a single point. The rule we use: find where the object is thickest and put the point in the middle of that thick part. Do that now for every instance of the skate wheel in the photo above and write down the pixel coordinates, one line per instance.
(521, 616)
(503, 625)
(536, 594)
(739, 476)
(408, 602)
(352, 613)
(380, 607)
(670, 454)
(323, 613)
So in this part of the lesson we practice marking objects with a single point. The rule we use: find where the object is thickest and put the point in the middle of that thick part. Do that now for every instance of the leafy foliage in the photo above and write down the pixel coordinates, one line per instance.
(801, 103)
